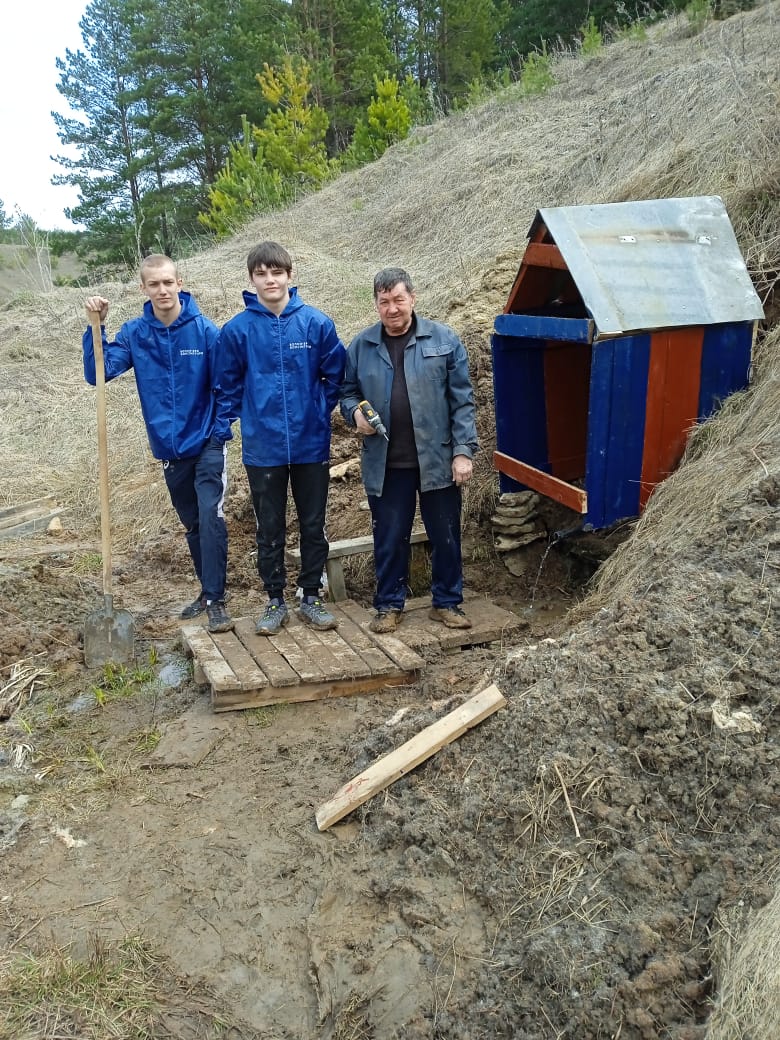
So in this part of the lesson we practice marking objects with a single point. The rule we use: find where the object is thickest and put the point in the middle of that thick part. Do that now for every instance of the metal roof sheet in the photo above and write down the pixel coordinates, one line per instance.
(654, 264)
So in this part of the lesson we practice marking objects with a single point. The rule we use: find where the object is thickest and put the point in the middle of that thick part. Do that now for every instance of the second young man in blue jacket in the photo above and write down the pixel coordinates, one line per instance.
(280, 367)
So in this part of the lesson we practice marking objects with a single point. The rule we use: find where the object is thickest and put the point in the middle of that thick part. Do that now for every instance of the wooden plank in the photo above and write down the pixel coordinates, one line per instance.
(544, 254)
(270, 661)
(352, 546)
(405, 758)
(35, 506)
(350, 661)
(672, 403)
(38, 523)
(337, 589)
(187, 740)
(359, 641)
(566, 494)
(217, 671)
(519, 291)
(235, 700)
(250, 675)
(397, 651)
(297, 658)
(544, 327)
(322, 660)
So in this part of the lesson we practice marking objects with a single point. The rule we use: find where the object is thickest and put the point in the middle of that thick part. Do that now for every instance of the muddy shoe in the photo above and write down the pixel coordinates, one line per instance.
(195, 608)
(313, 612)
(219, 619)
(452, 617)
(385, 621)
(275, 616)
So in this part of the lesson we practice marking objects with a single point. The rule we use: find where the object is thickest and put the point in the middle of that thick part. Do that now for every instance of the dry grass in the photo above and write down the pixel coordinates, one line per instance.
(118, 990)
(747, 958)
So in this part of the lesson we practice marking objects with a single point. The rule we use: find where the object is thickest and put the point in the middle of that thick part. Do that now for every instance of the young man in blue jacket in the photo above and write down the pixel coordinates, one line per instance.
(280, 368)
(171, 348)
(415, 373)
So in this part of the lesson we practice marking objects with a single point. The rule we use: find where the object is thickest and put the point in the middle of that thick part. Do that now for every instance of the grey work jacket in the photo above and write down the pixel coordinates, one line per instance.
(440, 395)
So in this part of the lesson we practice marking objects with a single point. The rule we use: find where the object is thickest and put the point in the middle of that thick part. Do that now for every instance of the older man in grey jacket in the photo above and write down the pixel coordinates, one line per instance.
(414, 372)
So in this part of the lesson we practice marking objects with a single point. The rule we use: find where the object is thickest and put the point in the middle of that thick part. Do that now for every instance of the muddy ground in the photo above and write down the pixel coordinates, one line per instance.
(556, 872)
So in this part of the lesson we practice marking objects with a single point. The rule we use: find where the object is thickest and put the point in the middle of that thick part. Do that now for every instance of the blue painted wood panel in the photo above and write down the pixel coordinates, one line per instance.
(541, 327)
(518, 388)
(725, 363)
(616, 425)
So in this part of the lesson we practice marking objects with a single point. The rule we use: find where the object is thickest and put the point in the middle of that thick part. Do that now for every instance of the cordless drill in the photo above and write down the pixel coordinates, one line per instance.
(372, 418)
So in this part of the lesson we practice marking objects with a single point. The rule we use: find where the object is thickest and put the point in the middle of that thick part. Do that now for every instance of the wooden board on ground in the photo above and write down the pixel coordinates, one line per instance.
(27, 518)
(185, 741)
(245, 670)
(405, 758)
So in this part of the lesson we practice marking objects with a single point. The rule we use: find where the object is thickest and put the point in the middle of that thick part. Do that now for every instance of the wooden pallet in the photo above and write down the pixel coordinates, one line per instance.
(245, 670)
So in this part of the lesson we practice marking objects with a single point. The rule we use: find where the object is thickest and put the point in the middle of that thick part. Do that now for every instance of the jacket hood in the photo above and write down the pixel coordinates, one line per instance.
(253, 303)
(189, 311)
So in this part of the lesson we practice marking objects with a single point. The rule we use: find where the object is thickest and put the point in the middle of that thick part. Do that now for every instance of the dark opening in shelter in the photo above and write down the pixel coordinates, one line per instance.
(626, 324)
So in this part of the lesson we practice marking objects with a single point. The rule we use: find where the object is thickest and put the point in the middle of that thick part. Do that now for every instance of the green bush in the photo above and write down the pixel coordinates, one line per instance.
(388, 119)
(536, 76)
(592, 40)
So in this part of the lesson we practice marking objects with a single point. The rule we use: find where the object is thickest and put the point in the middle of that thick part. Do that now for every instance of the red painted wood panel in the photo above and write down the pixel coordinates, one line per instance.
(514, 293)
(566, 391)
(568, 495)
(672, 402)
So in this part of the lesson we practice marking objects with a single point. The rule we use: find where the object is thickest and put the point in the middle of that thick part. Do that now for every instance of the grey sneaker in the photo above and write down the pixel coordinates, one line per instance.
(195, 608)
(452, 617)
(275, 616)
(313, 612)
(385, 621)
(219, 619)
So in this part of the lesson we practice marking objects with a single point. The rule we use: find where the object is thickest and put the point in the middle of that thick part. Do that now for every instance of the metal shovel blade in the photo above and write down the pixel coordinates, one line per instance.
(109, 635)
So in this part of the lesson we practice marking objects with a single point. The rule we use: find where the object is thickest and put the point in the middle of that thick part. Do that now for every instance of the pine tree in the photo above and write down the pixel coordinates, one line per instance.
(387, 120)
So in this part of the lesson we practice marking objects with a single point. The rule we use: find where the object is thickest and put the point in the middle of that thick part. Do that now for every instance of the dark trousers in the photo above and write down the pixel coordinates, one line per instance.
(309, 484)
(392, 515)
(197, 489)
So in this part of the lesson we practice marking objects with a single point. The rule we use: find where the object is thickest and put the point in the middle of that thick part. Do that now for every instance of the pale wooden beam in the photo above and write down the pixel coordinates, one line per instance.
(393, 766)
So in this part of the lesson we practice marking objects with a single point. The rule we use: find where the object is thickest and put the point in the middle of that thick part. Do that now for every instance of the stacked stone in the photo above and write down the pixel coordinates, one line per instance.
(515, 522)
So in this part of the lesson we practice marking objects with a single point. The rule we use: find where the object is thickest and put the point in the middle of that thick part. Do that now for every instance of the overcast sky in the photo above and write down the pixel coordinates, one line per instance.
(32, 36)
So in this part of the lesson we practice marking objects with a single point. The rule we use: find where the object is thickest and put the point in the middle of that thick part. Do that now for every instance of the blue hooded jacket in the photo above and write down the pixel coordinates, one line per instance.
(173, 372)
(282, 375)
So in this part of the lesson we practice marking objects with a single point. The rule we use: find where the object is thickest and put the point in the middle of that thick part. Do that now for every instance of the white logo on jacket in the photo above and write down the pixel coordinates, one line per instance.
(192, 352)
(305, 345)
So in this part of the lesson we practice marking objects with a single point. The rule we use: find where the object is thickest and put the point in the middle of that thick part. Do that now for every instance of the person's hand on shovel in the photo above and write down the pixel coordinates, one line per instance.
(97, 305)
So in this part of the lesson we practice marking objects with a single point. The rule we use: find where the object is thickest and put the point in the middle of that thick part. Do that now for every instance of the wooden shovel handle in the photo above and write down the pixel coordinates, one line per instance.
(102, 439)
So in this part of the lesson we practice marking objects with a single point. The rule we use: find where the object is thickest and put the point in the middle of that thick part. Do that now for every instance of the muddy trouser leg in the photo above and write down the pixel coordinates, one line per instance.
(180, 479)
(440, 512)
(309, 482)
(210, 486)
(392, 516)
(268, 486)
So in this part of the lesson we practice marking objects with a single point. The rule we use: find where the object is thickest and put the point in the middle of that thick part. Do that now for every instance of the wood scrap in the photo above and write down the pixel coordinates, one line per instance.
(423, 745)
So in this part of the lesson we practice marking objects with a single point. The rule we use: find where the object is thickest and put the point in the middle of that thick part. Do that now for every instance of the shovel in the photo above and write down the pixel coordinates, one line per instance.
(108, 633)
